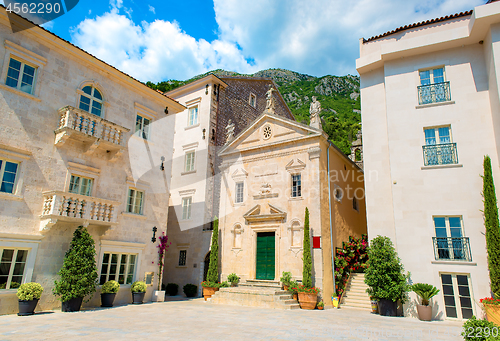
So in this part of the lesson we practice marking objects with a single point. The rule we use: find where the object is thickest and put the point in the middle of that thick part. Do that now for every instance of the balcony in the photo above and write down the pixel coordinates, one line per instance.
(76, 208)
(452, 249)
(440, 154)
(95, 132)
(434, 93)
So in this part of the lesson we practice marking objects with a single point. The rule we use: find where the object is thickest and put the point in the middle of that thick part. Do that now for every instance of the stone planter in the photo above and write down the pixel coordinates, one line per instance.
(208, 292)
(493, 313)
(71, 305)
(424, 312)
(158, 296)
(138, 297)
(387, 307)
(27, 308)
(308, 301)
(107, 300)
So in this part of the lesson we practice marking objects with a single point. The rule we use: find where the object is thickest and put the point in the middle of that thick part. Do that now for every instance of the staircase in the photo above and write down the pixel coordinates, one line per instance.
(256, 293)
(355, 295)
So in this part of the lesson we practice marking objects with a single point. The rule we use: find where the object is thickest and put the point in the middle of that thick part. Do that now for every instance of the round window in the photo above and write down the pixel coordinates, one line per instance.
(267, 132)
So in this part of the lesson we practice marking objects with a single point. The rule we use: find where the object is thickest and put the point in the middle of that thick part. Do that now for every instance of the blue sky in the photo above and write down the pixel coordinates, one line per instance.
(161, 40)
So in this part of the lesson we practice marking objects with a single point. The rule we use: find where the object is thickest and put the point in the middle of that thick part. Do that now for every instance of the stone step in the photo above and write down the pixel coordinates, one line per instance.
(356, 307)
(256, 296)
(261, 283)
(348, 300)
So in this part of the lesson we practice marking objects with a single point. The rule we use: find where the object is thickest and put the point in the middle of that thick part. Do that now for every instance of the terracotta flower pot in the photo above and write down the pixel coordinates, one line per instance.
(295, 296)
(424, 312)
(321, 308)
(493, 313)
(208, 292)
(285, 287)
(308, 301)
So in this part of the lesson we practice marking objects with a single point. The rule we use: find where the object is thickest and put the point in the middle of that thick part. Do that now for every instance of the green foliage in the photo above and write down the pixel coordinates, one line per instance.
(110, 287)
(13, 285)
(29, 291)
(172, 289)
(352, 257)
(213, 268)
(321, 304)
(385, 274)
(138, 286)
(166, 86)
(286, 278)
(308, 290)
(492, 226)
(307, 257)
(293, 287)
(224, 284)
(79, 271)
(190, 290)
(233, 278)
(425, 291)
(480, 330)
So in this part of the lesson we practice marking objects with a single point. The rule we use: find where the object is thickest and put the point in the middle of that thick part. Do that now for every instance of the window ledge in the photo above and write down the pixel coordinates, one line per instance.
(181, 266)
(190, 172)
(453, 165)
(8, 292)
(191, 127)
(239, 204)
(296, 198)
(434, 104)
(452, 262)
(19, 92)
(134, 215)
(9, 196)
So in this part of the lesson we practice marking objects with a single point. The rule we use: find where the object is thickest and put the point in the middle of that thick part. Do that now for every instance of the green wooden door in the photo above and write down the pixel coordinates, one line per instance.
(265, 256)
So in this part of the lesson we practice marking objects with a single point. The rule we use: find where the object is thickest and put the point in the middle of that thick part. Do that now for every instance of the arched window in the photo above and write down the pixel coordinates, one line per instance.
(91, 100)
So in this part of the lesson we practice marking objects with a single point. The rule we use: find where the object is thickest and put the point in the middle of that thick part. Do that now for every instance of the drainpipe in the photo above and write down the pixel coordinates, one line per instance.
(330, 205)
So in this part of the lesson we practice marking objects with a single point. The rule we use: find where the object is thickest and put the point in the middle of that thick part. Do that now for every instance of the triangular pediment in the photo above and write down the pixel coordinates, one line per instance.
(271, 213)
(269, 130)
(239, 173)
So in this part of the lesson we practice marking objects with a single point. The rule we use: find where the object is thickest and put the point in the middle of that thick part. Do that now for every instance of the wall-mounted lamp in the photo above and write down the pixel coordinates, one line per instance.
(166, 110)
(154, 234)
(206, 90)
(204, 132)
(162, 166)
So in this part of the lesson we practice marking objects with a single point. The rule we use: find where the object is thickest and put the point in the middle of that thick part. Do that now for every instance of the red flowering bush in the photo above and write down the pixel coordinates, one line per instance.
(352, 257)
(489, 301)
(162, 248)
(306, 290)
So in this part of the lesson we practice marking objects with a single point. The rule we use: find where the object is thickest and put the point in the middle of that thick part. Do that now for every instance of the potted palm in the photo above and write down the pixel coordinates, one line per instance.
(28, 295)
(425, 292)
(108, 293)
(286, 279)
(138, 291)
(233, 279)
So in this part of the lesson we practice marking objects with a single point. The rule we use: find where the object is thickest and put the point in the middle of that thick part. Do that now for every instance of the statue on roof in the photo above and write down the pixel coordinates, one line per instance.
(314, 111)
(271, 102)
(229, 131)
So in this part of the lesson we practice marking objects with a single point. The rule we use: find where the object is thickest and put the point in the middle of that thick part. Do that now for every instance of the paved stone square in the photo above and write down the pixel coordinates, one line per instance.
(198, 320)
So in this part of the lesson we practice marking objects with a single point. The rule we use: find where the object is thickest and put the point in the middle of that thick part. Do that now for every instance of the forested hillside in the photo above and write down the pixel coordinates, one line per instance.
(339, 97)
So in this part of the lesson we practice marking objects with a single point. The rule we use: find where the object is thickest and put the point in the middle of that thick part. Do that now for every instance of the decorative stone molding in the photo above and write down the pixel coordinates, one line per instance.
(255, 216)
(314, 153)
(295, 166)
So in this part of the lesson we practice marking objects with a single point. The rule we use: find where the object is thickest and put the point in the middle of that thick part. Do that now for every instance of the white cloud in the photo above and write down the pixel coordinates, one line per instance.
(318, 37)
(152, 9)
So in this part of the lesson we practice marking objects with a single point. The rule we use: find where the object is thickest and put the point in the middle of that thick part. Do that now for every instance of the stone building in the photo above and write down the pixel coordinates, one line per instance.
(81, 143)
(357, 150)
(430, 101)
(200, 131)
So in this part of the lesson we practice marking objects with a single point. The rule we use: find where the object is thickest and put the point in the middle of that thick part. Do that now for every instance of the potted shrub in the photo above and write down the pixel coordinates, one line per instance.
(159, 295)
(425, 292)
(233, 279)
(190, 290)
(492, 308)
(294, 285)
(286, 279)
(108, 293)
(28, 295)
(78, 273)
(308, 297)
(138, 291)
(321, 305)
(385, 276)
(479, 330)
(172, 289)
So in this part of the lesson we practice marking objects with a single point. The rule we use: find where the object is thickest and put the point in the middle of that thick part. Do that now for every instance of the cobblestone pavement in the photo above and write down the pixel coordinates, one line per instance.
(198, 320)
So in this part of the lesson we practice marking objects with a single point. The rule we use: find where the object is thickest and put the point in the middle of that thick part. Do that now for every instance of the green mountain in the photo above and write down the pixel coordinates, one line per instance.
(339, 97)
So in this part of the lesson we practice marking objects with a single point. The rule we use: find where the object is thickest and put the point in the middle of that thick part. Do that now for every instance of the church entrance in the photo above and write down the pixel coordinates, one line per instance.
(265, 262)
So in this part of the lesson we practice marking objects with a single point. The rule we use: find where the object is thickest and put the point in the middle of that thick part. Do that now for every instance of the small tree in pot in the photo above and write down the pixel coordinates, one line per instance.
(286, 279)
(385, 276)
(138, 291)
(108, 293)
(233, 279)
(78, 273)
(211, 285)
(425, 292)
(28, 295)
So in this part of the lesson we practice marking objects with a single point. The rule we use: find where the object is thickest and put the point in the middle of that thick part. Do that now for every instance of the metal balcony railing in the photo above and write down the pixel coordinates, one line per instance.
(434, 93)
(452, 249)
(440, 154)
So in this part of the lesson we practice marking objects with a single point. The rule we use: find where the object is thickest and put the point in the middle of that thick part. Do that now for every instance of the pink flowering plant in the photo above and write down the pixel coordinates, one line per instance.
(162, 248)
(351, 258)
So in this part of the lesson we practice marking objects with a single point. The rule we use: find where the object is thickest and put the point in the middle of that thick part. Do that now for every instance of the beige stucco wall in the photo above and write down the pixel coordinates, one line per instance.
(28, 124)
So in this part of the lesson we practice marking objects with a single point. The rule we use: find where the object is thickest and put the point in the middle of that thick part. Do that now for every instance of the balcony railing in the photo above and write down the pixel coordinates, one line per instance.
(440, 154)
(452, 249)
(434, 93)
(81, 125)
(77, 208)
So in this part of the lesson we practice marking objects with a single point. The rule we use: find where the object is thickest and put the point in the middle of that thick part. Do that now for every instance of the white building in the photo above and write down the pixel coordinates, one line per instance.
(431, 111)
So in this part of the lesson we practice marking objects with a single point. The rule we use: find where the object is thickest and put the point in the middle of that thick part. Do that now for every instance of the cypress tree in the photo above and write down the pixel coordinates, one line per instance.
(79, 271)
(492, 226)
(213, 269)
(307, 258)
